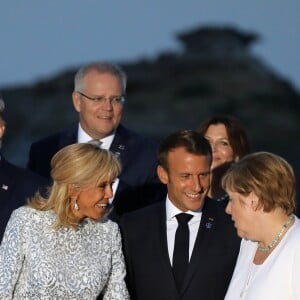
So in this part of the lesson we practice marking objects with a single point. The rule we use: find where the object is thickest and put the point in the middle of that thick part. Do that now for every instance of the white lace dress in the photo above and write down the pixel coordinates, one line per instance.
(38, 262)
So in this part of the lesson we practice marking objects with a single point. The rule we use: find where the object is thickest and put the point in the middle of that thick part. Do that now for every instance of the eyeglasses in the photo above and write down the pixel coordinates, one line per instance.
(114, 100)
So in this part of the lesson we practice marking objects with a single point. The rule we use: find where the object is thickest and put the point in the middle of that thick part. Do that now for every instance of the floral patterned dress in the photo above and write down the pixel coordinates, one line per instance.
(38, 262)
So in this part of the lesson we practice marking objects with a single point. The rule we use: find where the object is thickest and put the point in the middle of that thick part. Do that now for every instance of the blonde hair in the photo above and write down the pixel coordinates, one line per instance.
(79, 165)
(268, 176)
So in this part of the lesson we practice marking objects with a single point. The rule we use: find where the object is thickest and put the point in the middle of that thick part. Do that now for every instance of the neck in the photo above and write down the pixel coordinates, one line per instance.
(275, 226)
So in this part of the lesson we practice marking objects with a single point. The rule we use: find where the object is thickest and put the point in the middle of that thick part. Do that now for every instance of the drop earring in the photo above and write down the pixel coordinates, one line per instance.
(76, 207)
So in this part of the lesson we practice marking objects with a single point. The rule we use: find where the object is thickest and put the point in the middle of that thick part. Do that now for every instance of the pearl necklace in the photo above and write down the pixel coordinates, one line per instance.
(278, 236)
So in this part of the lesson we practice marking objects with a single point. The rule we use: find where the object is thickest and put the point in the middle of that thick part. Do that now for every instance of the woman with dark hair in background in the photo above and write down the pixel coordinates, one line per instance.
(229, 143)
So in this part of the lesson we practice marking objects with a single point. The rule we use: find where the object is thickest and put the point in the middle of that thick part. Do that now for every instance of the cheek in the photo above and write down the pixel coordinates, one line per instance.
(227, 154)
(118, 113)
(206, 183)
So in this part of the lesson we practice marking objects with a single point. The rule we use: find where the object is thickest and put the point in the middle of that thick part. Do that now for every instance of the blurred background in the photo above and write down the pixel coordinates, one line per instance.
(185, 60)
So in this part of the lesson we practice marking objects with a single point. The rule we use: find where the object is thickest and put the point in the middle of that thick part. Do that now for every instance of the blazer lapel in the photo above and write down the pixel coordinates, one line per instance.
(120, 144)
(6, 178)
(162, 245)
(206, 229)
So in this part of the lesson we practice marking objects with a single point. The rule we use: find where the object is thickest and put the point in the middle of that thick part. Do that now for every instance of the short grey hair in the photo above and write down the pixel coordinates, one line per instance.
(100, 67)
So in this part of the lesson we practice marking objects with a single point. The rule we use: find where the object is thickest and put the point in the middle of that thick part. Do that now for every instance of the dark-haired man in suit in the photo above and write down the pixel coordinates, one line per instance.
(98, 97)
(185, 247)
(16, 184)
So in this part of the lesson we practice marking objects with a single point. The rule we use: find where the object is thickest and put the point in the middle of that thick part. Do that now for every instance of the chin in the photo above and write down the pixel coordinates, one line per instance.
(241, 234)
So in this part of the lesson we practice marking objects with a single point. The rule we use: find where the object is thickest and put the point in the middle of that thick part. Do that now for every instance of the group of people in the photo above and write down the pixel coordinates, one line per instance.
(116, 216)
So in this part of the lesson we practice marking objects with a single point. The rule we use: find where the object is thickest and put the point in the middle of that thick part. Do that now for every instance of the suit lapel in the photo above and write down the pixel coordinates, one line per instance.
(6, 178)
(162, 245)
(205, 231)
(120, 144)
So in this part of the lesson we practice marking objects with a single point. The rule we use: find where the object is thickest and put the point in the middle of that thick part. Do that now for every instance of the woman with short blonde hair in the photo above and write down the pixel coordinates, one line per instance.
(262, 191)
(64, 247)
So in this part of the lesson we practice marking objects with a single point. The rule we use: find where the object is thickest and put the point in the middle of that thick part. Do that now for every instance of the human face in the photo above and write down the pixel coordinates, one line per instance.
(222, 151)
(242, 213)
(187, 179)
(92, 200)
(99, 120)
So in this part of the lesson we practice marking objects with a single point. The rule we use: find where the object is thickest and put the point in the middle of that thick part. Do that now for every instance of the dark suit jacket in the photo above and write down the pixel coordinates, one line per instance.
(16, 184)
(138, 158)
(148, 265)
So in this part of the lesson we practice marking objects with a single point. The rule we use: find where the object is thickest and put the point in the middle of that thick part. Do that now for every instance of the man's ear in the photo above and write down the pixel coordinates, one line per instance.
(76, 101)
(162, 174)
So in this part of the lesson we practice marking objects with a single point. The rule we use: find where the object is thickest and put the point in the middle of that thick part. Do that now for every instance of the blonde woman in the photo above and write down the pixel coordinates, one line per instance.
(63, 247)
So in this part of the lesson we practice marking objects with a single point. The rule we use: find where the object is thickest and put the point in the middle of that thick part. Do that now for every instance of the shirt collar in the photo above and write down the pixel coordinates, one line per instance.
(172, 211)
(83, 137)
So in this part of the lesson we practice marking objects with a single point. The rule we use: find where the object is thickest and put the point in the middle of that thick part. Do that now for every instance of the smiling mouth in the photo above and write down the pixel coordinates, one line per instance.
(104, 117)
(103, 205)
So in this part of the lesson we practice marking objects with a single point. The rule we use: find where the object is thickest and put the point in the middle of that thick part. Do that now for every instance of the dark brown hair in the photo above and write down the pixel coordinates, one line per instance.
(192, 141)
(236, 133)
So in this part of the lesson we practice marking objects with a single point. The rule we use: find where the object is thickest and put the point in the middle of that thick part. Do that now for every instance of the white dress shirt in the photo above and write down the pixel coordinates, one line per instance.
(83, 137)
(172, 224)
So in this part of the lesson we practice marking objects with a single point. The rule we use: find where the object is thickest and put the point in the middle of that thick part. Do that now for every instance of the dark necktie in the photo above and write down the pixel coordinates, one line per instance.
(181, 249)
(96, 142)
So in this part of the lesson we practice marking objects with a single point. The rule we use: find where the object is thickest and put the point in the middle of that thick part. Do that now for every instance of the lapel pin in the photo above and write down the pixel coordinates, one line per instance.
(209, 224)
(117, 154)
(121, 147)
(4, 187)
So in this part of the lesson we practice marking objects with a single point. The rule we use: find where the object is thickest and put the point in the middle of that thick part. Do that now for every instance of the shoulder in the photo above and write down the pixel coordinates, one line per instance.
(215, 207)
(144, 215)
(22, 214)
(293, 236)
(135, 138)
(107, 224)
(22, 175)
(55, 137)
(214, 213)
(104, 227)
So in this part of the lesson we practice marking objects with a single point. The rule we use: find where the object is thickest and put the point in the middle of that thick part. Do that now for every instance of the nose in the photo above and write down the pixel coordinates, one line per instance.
(228, 208)
(107, 105)
(108, 191)
(213, 147)
(197, 185)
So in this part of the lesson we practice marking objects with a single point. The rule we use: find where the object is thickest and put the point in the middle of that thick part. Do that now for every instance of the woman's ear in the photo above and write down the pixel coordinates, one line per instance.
(73, 190)
(254, 201)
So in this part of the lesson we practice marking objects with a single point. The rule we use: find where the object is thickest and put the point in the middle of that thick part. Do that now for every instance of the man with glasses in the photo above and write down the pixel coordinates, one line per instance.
(98, 97)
